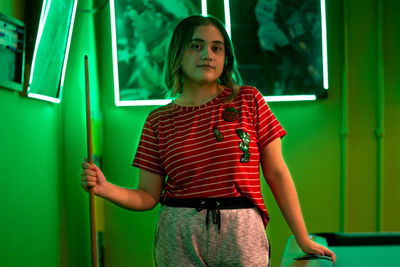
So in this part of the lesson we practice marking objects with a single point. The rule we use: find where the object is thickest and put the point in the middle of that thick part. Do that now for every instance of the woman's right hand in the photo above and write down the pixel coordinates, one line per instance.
(92, 177)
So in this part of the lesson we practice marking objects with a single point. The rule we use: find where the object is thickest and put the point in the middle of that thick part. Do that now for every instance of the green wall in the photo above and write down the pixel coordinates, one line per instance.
(331, 147)
(74, 202)
(30, 167)
(29, 170)
(44, 212)
(390, 219)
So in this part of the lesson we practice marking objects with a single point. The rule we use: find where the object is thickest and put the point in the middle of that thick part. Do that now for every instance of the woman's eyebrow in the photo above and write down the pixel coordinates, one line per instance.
(201, 40)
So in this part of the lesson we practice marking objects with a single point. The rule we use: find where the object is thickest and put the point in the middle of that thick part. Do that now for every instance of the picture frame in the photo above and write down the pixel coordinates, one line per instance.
(48, 47)
(281, 48)
(141, 31)
(12, 53)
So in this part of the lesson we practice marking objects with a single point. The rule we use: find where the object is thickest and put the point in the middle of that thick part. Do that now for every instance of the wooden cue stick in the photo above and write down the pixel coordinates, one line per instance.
(90, 160)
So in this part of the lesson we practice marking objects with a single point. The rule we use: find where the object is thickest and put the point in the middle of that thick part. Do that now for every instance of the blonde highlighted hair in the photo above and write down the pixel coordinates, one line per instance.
(173, 76)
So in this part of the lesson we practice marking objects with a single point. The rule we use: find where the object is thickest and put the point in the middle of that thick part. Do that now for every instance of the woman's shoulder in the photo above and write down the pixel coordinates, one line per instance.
(250, 91)
(160, 112)
(247, 87)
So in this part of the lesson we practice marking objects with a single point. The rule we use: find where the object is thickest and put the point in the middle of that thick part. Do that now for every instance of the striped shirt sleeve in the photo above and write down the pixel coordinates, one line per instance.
(147, 154)
(266, 125)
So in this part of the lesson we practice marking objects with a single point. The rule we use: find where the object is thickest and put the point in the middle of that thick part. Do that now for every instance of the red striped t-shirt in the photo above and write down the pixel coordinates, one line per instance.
(203, 150)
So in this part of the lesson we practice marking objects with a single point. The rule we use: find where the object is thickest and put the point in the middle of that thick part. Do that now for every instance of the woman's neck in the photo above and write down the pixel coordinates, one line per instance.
(199, 95)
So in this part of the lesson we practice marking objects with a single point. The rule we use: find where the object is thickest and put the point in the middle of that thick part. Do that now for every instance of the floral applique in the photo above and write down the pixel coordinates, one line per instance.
(244, 145)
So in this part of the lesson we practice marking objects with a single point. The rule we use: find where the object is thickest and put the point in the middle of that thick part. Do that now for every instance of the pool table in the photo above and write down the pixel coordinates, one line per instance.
(351, 249)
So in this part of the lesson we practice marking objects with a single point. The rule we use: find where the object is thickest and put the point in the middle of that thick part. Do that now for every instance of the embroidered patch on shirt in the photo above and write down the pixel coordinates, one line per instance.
(230, 114)
(218, 135)
(244, 145)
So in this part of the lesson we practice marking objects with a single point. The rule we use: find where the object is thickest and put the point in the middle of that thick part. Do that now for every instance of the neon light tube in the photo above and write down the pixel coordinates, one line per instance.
(114, 54)
(324, 45)
(227, 17)
(204, 8)
(159, 102)
(290, 98)
(156, 102)
(43, 97)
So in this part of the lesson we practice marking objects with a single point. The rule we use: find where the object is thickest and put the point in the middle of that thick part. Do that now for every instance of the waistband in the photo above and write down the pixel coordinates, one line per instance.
(210, 204)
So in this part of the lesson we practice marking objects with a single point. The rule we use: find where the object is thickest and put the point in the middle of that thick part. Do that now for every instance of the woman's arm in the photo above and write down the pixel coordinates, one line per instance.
(145, 197)
(280, 181)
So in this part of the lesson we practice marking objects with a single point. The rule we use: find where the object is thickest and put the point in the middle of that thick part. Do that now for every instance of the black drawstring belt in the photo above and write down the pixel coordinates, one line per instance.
(214, 206)
(210, 204)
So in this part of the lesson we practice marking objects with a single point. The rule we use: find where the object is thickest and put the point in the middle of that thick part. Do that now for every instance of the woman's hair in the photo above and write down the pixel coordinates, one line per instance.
(173, 76)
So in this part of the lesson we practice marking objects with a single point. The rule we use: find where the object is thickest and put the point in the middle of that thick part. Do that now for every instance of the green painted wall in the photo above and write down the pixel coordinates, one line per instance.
(44, 213)
(29, 171)
(390, 219)
(74, 202)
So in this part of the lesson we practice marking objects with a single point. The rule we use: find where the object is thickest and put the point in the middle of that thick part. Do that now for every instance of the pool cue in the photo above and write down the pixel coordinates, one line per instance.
(90, 161)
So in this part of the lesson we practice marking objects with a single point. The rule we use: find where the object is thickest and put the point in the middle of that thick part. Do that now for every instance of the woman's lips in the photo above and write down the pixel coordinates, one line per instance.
(206, 66)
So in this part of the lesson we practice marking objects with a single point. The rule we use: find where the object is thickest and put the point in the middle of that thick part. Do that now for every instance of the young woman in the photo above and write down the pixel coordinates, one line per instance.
(199, 156)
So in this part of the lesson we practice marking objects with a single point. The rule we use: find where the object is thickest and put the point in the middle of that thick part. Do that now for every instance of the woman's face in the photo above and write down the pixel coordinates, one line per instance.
(203, 60)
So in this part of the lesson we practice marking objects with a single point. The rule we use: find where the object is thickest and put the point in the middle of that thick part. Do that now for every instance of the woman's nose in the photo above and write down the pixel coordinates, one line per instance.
(206, 54)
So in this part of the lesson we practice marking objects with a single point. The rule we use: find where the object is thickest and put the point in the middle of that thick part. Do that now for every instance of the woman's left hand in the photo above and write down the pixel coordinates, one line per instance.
(310, 247)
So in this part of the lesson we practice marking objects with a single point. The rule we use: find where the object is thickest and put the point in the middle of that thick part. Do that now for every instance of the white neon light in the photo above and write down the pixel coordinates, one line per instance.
(324, 45)
(227, 17)
(204, 8)
(43, 97)
(71, 26)
(43, 17)
(285, 98)
(114, 54)
(160, 102)
(156, 102)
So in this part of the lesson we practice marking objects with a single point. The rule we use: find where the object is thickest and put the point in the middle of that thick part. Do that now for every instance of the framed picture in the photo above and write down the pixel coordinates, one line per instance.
(48, 47)
(12, 53)
(141, 35)
(281, 46)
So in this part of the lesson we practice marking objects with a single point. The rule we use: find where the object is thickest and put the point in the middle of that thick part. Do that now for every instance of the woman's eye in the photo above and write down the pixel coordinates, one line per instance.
(217, 49)
(195, 46)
